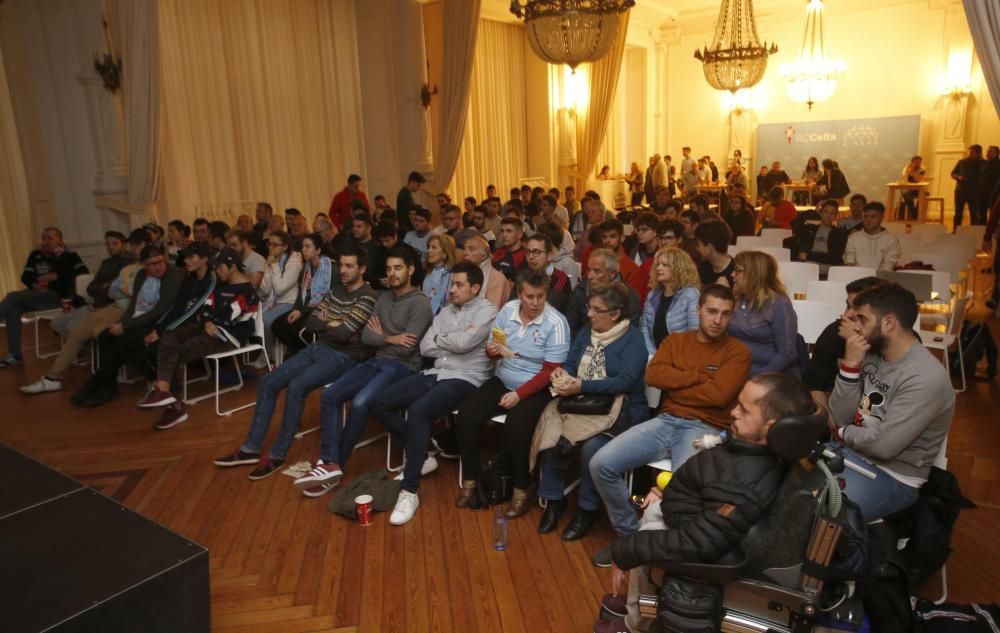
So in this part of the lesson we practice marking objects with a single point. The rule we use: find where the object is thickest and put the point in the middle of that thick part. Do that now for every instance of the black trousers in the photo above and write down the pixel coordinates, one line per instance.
(963, 198)
(477, 409)
(288, 333)
(127, 349)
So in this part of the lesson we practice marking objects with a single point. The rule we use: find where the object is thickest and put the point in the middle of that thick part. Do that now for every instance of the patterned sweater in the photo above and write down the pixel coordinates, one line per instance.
(347, 312)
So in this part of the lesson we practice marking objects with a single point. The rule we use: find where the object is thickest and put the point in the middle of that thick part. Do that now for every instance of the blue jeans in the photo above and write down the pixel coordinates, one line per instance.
(359, 386)
(425, 399)
(879, 497)
(315, 366)
(270, 315)
(663, 437)
(553, 478)
(19, 302)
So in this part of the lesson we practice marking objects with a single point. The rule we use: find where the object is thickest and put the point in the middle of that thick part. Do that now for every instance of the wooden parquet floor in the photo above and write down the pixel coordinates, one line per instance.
(281, 562)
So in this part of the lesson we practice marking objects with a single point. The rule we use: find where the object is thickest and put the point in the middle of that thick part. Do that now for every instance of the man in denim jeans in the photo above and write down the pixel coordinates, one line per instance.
(336, 324)
(700, 372)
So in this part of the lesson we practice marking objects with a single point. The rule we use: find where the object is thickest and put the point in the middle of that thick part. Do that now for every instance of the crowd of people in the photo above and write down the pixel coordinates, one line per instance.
(542, 307)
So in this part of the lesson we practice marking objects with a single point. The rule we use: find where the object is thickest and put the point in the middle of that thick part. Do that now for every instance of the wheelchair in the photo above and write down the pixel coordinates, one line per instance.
(770, 583)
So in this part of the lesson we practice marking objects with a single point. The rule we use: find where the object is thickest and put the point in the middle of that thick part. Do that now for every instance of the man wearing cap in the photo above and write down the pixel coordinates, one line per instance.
(340, 207)
(224, 322)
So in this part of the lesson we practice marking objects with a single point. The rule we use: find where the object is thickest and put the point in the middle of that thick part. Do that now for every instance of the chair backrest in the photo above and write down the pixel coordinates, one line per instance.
(831, 292)
(797, 275)
(779, 254)
(958, 314)
(895, 227)
(258, 324)
(912, 247)
(940, 282)
(813, 317)
(951, 262)
(975, 231)
(750, 243)
(928, 229)
(82, 281)
(847, 274)
(775, 237)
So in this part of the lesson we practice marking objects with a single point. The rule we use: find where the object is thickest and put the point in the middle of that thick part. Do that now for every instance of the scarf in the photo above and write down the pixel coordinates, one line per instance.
(305, 290)
(592, 363)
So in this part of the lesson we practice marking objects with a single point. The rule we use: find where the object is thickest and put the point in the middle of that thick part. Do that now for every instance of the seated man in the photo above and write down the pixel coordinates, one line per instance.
(711, 502)
(539, 250)
(456, 341)
(154, 293)
(496, 286)
(874, 246)
(336, 322)
(892, 403)
(253, 263)
(612, 234)
(417, 238)
(509, 258)
(49, 277)
(225, 321)
(715, 266)
(387, 235)
(602, 269)
(823, 243)
(399, 320)
(118, 258)
(700, 373)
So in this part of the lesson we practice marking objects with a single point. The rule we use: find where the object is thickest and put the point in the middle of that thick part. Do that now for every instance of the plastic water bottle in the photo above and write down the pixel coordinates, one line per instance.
(499, 528)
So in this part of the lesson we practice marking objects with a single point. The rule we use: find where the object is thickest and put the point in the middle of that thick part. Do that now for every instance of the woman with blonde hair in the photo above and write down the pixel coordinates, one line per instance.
(764, 319)
(672, 306)
(441, 256)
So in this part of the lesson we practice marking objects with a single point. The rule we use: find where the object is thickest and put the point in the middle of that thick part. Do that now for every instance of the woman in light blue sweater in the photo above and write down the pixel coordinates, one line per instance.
(672, 306)
(441, 256)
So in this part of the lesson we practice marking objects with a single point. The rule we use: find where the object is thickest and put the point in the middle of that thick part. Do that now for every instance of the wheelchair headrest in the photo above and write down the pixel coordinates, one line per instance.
(794, 437)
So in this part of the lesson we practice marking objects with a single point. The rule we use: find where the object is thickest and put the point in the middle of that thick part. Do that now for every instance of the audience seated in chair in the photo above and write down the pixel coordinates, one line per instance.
(509, 258)
(254, 264)
(336, 323)
(49, 277)
(313, 284)
(823, 243)
(874, 246)
(97, 289)
(538, 248)
(764, 319)
(672, 306)
(602, 270)
(700, 372)
(715, 266)
(496, 287)
(279, 287)
(441, 258)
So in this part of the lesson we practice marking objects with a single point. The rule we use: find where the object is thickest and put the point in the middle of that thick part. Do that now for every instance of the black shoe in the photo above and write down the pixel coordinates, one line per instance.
(554, 509)
(579, 525)
(602, 557)
(101, 397)
(81, 395)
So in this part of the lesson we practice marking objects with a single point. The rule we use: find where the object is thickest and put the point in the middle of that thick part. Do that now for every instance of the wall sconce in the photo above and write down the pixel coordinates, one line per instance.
(107, 66)
(957, 80)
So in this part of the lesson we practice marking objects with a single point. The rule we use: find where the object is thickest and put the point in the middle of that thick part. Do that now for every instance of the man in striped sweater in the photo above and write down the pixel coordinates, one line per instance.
(336, 325)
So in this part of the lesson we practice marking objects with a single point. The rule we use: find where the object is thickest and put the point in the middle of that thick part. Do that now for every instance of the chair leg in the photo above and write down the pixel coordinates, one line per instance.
(944, 585)
(961, 365)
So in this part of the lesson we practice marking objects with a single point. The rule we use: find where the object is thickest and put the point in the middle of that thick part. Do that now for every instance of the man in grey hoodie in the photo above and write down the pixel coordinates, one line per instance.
(402, 314)
(874, 246)
(892, 402)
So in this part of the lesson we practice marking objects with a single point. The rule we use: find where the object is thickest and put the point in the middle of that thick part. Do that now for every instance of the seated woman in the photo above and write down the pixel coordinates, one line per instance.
(764, 319)
(313, 285)
(278, 287)
(672, 305)
(441, 256)
(606, 357)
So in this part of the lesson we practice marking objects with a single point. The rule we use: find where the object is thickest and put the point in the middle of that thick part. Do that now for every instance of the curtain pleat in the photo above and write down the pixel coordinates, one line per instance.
(984, 23)
(16, 232)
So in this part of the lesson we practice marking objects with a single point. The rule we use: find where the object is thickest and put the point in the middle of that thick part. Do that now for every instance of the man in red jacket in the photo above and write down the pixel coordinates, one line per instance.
(340, 208)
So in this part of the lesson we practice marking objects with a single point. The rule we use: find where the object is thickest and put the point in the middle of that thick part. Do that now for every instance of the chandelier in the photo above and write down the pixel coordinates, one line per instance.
(571, 31)
(736, 59)
(812, 77)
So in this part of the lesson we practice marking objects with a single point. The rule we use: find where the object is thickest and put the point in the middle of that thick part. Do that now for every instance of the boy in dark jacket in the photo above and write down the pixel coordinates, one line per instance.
(712, 500)
(823, 243)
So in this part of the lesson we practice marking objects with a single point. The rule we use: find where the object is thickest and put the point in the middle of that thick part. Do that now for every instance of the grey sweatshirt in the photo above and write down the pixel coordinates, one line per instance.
(895, 414)
(410, 313)
(457, 342)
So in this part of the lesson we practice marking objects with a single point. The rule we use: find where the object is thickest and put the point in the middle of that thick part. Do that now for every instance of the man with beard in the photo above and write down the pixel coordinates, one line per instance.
(892, 402)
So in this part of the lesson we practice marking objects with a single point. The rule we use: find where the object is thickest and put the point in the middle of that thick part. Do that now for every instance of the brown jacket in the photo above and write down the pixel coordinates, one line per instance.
(700, 381)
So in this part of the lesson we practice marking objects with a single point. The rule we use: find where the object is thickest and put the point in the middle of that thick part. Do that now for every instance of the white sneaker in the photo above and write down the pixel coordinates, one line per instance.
(406, 507)
(261, 362)
(430, 465)
(42, 385)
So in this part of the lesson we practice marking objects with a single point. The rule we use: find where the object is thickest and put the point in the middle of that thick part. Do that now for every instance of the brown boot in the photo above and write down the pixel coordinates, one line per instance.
(519, 504)
(469, 497)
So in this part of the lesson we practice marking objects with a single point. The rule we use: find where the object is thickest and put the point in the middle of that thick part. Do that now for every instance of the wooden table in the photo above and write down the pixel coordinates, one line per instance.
(792, 187)
(920, 187)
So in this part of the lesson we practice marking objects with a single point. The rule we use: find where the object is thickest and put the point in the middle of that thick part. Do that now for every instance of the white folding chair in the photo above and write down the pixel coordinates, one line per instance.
(813, 317)
(912, 247)
(941, 342)
(750, 243)
(932, 230)
(895, 227)
(82, 281)
(940, 282)
(255, 344)
(797, 275)
(831, 292)
(774, 238)
(975, 231)
(951, 262)
(779, 254)
(653, 394)
(941, 461)
(847, 274)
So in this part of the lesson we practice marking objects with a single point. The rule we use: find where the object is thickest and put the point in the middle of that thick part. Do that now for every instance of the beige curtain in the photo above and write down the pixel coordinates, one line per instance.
(984, 23)
(460, 28)
(261, 102)
(495, 145)
(16, 238)
(137, 31)
(592, 124)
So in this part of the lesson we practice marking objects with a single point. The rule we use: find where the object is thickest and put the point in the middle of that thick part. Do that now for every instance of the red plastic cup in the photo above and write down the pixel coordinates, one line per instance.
(363, 504)
(67, 305)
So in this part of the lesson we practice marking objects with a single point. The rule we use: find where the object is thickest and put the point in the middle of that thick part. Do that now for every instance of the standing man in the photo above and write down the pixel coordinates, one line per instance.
(405, 201)
(340, 207)
(400, 318)
(49, 277)
(874, 246)
(966, 176)
(989, 182)
(456, 341)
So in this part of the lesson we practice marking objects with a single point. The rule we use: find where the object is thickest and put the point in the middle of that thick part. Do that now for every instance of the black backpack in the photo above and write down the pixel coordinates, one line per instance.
(496, 480)
(977, 341)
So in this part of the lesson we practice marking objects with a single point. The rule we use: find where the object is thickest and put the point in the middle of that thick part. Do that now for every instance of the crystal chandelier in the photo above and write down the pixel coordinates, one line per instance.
(812, 77)
(571, 31)
(736, 59)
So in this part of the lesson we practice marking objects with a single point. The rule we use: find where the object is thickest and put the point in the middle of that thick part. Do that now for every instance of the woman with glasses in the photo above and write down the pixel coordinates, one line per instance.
(441, 256)
(764, 319)
(606, 358)
(278, 288)
(312, 284)
(672, 306)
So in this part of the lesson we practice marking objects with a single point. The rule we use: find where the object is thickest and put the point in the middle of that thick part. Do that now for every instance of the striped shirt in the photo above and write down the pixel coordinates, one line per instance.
(544, 339)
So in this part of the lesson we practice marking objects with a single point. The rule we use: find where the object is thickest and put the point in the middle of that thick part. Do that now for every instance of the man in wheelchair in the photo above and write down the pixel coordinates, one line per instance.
(713, 499)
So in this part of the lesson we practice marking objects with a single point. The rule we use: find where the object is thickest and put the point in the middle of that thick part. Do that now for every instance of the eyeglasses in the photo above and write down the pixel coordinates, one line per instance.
(739, 269)
(593, 310)
(276, 244)
(534, 252)
(667, 236)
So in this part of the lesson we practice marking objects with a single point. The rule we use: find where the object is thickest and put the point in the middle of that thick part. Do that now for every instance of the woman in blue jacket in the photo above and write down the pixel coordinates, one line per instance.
(606, 357)
(672, 306)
